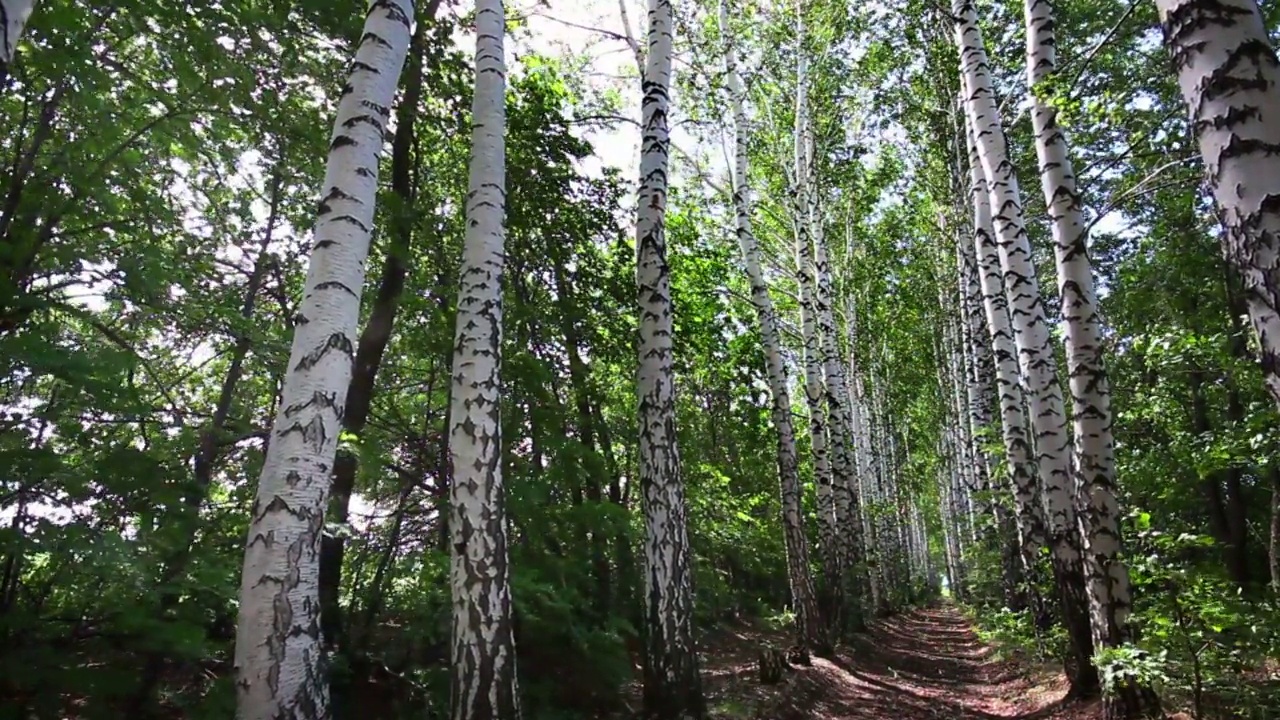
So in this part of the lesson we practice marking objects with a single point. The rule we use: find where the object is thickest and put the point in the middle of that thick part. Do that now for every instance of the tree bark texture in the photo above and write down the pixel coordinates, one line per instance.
(672, 686)
(278, 654)
(810, 629)
(483, 683)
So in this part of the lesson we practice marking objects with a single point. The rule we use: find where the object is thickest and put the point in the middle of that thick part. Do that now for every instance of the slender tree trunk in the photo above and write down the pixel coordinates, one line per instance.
(864, 474)
(844, 460)
(13, 20)
(1001, 534)
(1035, 352)
(279, 655)
(373, 339)
(828, 531)
(175, 564)
(483, 683)
(1273, 545)
(966, 455)
(1093, 465)
(1228, 72)
(810, 630)
(1013, 422)
(672, 686)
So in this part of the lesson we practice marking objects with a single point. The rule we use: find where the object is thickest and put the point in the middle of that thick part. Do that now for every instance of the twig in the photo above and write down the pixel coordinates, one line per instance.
(1093, 52)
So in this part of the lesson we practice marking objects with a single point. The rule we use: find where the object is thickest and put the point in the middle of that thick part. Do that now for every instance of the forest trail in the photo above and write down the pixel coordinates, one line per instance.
(926, 664)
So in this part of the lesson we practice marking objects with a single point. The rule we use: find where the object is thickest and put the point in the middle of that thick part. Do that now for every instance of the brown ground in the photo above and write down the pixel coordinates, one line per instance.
(923, 665)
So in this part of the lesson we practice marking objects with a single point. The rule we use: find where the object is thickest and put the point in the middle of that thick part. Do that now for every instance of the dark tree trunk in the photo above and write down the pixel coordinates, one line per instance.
(175, 564)
(375, 336)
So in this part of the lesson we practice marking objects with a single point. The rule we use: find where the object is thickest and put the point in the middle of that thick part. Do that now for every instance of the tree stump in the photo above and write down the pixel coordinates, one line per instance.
(798, 655)
(772, 665)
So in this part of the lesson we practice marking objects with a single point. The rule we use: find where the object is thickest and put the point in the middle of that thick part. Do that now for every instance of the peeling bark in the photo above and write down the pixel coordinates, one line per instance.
(279, 658)
(483, 681)
(672, 686)
(1228, 71)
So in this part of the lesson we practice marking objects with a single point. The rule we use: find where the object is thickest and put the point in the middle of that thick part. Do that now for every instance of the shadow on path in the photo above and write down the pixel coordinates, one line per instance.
(924, 665)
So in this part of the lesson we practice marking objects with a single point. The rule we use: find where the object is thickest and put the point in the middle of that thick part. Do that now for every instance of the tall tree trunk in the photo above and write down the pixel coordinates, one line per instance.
(860, 415)
(278, 655)
(1035, 352)
(483, 683)
(13, 20)
(374, 338)
(810, 630)
(672, 686)
(828, 531)
(844, 460)
(1273, 544)
(1001, 534)
(1093, 465)
(1228, 72)
(1013, 421)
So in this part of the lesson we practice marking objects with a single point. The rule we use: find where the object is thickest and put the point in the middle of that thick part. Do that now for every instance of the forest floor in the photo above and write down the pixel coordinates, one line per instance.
(926, 664)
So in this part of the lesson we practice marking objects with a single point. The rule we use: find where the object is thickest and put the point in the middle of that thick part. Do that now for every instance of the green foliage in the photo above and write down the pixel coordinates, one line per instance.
(161, 168)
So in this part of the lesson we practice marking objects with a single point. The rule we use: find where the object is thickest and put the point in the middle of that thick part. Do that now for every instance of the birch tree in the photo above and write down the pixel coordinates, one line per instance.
(483, 682)
(672, 686)
(810, 630)
(278, 653)
(814, 393)
(1228, 73)
(13, 20)
(1093, 463)
(844, 466)
(1013, 421)
(1031, 336)
(864, 472)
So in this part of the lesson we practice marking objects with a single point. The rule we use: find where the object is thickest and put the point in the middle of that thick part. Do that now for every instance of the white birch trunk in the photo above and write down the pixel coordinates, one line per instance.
(1094, 466)
(278, 655)
(1228, 73)
(1013, 422)
(861, 439)
(809, 624)
(828, 532)
(483, 669)
(1031, 335)
(844, 474)
(672, 687)
(979, 382)
(13, 20)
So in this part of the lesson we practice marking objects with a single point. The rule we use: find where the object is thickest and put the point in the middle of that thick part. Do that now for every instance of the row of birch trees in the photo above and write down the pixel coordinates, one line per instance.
(924, 444)
(1058, 453)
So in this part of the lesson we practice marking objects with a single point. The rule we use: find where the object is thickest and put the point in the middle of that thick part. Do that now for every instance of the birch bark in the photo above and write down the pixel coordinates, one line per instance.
(672, 687)
(1228, 73)
(844, 475)
(278, 654)
(810, 631)
(1031, 335)
(1093, 466)
(483, 683)
(828, 532)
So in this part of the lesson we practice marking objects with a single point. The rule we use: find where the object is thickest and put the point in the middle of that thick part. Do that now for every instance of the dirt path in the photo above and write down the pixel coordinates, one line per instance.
(923, 665)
